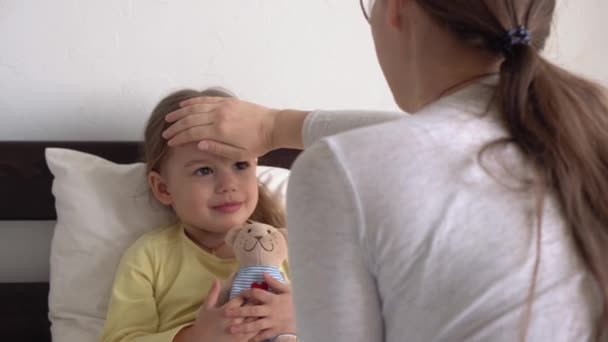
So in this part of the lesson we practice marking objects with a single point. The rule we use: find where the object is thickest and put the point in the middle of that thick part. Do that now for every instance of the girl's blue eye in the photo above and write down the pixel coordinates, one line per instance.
(203, 171)
(242, 165)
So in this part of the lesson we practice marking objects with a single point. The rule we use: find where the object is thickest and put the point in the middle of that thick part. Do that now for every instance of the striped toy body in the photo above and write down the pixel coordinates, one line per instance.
(253, 276)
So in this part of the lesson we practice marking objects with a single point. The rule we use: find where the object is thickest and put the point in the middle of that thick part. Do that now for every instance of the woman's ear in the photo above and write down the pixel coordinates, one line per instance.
(159, 188)
(394, 11)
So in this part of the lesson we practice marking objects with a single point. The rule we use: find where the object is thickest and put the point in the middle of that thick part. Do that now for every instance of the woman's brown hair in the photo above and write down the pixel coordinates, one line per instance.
(155, 151)
(558, 120)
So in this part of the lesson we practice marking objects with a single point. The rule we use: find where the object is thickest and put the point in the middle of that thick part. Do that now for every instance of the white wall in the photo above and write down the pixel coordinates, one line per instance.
(92, 70)
(579, 41)
(74, 69)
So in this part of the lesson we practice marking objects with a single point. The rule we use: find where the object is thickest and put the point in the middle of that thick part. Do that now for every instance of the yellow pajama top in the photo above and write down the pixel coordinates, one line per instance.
(160, 283)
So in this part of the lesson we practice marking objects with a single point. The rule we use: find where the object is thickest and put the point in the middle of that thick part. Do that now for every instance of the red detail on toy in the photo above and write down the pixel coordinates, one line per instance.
(263, 285)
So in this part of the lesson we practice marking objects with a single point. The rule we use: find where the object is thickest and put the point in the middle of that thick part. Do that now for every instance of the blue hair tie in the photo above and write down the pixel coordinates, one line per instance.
(514, 37)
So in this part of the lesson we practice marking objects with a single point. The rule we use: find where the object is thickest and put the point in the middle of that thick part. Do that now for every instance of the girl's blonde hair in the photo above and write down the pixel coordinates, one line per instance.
(155, 151)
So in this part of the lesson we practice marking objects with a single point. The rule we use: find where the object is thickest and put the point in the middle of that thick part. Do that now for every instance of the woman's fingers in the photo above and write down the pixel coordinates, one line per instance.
(190, 110)
(203, 100)
(239, 129)
(193, 108)
(277, 286)
(259, 295)
(224, 150)
(190, 135)
(191, 121)
(202, 134)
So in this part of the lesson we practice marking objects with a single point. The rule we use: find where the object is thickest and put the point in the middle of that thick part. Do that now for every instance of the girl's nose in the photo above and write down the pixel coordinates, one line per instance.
(226, 183)
(228, 188)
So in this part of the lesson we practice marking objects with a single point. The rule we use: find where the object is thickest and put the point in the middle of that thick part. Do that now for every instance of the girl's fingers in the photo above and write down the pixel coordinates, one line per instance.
(234, 303)
(248, 311)
(251, 327)
(213, 295)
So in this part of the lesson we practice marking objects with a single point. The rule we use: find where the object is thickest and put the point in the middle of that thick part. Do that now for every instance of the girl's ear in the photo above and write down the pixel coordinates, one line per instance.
(159, 188)
(231, 236)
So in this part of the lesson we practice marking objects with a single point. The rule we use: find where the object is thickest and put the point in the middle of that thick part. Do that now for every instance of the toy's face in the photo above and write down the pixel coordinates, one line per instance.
(259, 244)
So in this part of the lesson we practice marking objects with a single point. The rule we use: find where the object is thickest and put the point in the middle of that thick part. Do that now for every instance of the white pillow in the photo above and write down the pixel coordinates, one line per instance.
(102, 208)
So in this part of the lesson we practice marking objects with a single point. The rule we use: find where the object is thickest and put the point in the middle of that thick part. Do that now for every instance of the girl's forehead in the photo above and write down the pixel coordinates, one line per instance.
(189, 153)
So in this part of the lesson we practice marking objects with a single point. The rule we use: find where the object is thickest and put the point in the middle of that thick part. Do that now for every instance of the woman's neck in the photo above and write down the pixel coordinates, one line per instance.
(449, 85)
(443, 78)
(436, 64)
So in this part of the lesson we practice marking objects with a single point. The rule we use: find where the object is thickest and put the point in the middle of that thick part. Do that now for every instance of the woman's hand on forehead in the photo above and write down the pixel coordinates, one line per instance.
(227, 127)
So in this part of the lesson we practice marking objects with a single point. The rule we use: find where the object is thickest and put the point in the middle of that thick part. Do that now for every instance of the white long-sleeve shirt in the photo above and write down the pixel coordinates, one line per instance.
(400, 231)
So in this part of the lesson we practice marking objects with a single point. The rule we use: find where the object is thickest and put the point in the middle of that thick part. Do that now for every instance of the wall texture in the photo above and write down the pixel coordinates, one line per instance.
(579, 40)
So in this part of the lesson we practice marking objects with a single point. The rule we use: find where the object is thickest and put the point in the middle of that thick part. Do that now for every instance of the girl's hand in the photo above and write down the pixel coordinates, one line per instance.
(210, 323)
(273, 312)
(227, 127)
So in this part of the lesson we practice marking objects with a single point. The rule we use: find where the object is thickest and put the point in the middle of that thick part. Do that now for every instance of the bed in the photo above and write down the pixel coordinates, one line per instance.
(25, 182)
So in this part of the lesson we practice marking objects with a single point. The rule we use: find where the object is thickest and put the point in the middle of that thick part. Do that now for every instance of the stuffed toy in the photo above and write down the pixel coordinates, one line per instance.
(259, 248)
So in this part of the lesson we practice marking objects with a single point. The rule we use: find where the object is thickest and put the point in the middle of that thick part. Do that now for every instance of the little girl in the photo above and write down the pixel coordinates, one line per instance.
(165, 275)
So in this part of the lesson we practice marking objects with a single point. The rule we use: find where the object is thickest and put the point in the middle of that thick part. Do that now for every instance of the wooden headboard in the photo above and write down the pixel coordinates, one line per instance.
(25, 185)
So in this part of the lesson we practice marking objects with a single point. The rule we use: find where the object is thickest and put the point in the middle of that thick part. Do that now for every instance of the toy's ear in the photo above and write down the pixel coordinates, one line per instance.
(231, 236)
(284, 232)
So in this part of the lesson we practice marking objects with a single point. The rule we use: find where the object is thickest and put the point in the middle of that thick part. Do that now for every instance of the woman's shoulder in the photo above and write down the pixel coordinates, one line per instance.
(410, 143)
(434, 154)
(435, 141)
